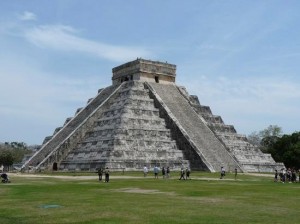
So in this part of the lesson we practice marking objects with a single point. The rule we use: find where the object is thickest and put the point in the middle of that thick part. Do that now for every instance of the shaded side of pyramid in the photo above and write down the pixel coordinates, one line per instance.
(249, 157)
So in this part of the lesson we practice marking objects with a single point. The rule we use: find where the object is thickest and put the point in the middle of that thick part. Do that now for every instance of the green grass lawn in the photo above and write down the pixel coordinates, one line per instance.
(204, 199)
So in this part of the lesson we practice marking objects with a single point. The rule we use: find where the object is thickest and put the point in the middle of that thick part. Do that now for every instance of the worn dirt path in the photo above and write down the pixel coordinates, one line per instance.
(95, 177)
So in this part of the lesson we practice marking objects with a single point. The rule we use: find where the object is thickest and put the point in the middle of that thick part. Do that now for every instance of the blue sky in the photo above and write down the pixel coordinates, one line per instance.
(241, 58)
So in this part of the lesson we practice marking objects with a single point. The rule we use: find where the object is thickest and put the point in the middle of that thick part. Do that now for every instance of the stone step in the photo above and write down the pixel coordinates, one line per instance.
(116, 155)
(212, 119)
(128, 140)
(222, 127)
(133, 101)
(133, 92)
(121, 117)
(231, 136)
(202, 109)
(130, 123)
(131, 109)
(136, 134)
(206, 143)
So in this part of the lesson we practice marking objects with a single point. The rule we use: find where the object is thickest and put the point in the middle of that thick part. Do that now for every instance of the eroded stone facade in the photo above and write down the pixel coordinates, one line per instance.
(144, 118)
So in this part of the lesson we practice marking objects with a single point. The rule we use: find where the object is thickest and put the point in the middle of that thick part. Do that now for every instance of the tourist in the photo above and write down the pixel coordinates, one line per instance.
(106, 171)
(235, 173)
(163, 172)
(145, 170)
(283, 175)
(289, 175)
(182, 174)
(222, 172)
(188, 172)
(156, 170)
(276, 176)
(168, 172)
(5, 178)
(100, 172)
(294, 176)
(280, 175)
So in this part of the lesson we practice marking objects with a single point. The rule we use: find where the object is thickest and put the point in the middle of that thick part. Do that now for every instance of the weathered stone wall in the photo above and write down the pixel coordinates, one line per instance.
(145, 70)
(128, 133)
(61, 137)
(248, 156)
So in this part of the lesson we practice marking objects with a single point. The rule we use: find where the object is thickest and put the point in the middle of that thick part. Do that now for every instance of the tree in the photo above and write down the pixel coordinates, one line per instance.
(269, 136)
(287, 150)
(6, 157)
(284, 148)
(271, 130)
(254, 138)
(266, 138)
(12, 152)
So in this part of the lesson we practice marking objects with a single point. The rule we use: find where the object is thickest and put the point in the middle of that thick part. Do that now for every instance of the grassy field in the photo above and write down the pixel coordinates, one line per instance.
(80, 198)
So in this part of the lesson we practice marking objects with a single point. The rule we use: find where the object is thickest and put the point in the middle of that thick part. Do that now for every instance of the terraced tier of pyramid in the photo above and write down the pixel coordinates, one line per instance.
(144, 118)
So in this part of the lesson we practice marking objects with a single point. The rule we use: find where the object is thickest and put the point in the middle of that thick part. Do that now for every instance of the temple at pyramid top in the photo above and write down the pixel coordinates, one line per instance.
(144, 70)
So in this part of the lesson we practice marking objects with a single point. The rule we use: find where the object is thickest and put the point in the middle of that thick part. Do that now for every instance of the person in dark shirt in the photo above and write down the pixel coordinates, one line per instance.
(188, 172)
(182, 174)
(106, 171)
(100, 172)
(276, 176)
(4, 177)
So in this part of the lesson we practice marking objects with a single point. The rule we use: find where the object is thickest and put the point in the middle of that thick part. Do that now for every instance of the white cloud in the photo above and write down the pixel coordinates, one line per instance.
(252, 103)
(27, 16)
(26, 91)
(264, 88)
(63, 38)
(34, 101)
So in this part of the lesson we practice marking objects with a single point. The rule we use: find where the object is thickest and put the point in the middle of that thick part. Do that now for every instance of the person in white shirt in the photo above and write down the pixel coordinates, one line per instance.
(145, 171)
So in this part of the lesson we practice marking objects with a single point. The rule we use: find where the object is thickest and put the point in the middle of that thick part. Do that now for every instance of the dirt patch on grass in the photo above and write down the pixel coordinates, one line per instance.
(260, 174)
(143, 191)
(66, 177)
(2, 190)
(206, 199)
(153, 191)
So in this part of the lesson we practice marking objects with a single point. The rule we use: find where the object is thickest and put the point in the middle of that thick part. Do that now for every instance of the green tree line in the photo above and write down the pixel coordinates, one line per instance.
(12, 152)
(283, 148)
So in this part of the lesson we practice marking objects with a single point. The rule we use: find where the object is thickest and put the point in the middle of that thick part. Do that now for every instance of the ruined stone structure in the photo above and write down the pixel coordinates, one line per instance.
(144, 118)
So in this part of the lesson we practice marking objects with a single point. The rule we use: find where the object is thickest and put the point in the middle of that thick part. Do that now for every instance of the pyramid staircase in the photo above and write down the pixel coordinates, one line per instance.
(200, 138)
(249, 157)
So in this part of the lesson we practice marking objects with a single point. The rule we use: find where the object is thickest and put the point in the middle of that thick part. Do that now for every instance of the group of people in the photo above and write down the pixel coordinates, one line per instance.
(166, 172)
(106, 173)
(286, 175)
(185, 173)
(223, 172)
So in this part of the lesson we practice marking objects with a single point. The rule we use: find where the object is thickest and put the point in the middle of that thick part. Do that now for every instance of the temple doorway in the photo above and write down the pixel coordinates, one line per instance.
(54, 167)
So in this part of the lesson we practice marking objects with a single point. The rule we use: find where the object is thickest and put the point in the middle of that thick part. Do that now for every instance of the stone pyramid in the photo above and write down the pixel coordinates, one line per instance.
(144, 118)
